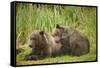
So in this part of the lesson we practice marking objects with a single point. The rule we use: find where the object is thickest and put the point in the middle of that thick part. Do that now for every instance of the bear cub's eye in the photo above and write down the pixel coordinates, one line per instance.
(54, 34)
(32, 38)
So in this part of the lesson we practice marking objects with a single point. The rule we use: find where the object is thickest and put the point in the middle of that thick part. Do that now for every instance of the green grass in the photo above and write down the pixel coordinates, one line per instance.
(44, 17)
(58, 59)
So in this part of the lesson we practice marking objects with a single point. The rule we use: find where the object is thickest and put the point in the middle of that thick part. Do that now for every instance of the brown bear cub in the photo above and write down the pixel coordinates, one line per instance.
(43, 45)
(61, 41)
(72, 41)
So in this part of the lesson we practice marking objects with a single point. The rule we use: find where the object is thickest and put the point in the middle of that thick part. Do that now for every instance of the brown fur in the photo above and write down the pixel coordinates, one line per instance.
(42, 45)
(72, 40)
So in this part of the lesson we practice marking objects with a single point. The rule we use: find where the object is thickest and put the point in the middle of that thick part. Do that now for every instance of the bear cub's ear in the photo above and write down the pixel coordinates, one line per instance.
(41, 32)
(57, 26)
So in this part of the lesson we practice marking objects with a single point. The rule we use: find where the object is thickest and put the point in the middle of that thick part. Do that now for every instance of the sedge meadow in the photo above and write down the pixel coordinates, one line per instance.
(30, 17)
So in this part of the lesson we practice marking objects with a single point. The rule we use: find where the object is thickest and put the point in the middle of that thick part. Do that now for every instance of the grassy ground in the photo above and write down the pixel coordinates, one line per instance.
(44, 17)
(58, 59)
